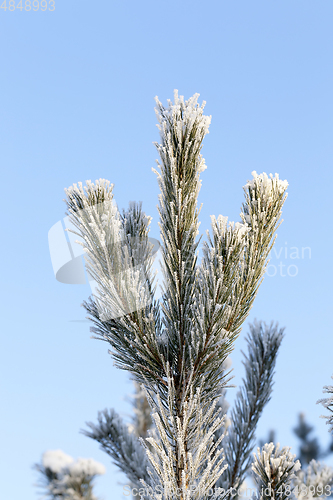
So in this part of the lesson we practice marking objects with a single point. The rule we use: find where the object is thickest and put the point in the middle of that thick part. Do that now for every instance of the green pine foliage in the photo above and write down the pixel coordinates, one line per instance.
(176, 348)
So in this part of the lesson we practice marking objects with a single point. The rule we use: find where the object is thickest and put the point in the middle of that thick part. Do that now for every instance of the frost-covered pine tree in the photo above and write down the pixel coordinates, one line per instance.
(63, 478)
(176, 348)
(279, 475)
(310, 448)
(328, 404)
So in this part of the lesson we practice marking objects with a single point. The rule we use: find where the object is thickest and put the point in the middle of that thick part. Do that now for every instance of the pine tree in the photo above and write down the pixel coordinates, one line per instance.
(278, 475)
(328, 404)
(309, 449)
(176, 348)
(62, 478)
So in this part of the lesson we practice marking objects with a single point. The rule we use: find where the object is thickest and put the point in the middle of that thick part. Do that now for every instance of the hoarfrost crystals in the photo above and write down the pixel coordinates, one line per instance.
(274, 466)
(114, 261)
(181, 358)
(72, 480)
(317, 478)
(267, 184)
(184, 113)
(328, 404)
(86, 466)
(238, 230)
(56, 460)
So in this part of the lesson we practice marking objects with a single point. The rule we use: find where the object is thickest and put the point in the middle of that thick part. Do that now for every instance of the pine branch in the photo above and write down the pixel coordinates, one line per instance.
(316, 481)
(263, 345)
(121, 445)
(178, 359)
(62, 478)
(328, 404)
(232, 268)
(274, 469)
(119, 258)
(199, 453)
(182, 129)
(264, 199)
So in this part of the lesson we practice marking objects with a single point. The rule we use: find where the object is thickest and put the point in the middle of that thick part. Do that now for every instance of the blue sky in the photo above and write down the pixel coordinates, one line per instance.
(77, 103)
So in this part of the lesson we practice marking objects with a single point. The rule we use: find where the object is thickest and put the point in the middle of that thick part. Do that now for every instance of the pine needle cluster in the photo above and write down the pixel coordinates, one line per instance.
(176, 348)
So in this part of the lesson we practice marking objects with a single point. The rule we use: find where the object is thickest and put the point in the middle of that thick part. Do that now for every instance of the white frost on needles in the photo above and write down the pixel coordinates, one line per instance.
(316, 481)
(277, 461)
(87, 467)
(59, 462)
(189, 111)
(266, 184)
(185, 114)
(56, 460)
(238, 230)
(328, 404)
(275, 465)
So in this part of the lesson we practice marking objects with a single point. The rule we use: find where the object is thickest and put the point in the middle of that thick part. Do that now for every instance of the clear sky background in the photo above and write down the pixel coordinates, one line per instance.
(77, 103)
